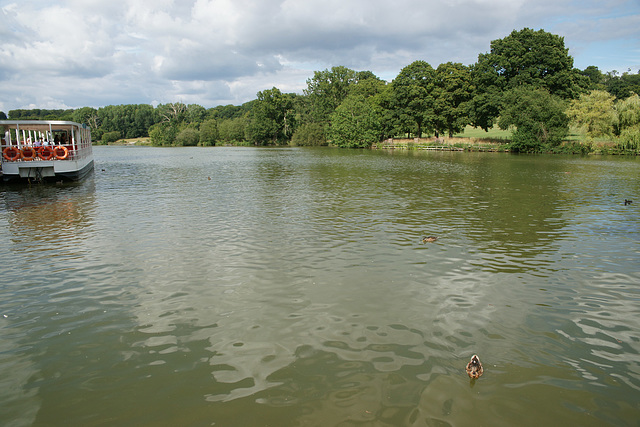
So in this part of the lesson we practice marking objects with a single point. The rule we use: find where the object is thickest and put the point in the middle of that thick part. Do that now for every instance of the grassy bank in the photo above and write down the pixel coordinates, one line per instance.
(127, 141)
(494, 134)
(476, 139)
(496, 139)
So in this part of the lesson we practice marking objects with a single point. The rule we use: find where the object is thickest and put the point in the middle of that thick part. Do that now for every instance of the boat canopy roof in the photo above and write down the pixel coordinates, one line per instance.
(41, 125)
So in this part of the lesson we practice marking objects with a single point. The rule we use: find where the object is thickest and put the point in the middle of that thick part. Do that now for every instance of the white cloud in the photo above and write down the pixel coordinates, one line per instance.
(98, 52)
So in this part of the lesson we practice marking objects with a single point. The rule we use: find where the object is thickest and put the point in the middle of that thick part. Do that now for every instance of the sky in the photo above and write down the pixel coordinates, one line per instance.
(59, 54)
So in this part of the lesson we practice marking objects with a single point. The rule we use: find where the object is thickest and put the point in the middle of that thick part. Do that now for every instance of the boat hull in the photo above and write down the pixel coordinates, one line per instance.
(47, 170)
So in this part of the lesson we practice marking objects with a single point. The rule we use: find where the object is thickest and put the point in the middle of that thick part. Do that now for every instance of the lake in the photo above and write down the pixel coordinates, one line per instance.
(291, 287)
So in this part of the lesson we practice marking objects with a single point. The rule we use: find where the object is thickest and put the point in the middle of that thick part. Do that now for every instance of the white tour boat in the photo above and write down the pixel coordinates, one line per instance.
(45, 149)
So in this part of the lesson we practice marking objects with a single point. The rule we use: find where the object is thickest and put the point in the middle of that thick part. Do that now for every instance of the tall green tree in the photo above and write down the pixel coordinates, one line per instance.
(538, 118)
(209, 133)
(366, 84)
(355, 123)
(41, 114)
(327, 89)
(130, 120)
(453, 95)
(527, 57)
(309, 134)
(622, 85)
(595, 78)
(188, 136)
(163, 134)
(144, 117)
(226, 112)
(414, 93)
(195, 113)
(173, 112)
(628, 124)
(85, 115)
(232, 131)
(594, 113)
(272, 118)
(88, 116)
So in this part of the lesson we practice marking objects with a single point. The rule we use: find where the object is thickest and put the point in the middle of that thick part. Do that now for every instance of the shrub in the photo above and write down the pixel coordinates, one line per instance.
(309, 134)
(538, 117)
(208, 133)
(188, 137)
(110, 137)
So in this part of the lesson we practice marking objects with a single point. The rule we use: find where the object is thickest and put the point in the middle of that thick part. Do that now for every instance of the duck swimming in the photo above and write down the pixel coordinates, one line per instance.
(429, 239)
(474, 367)
(627, 202)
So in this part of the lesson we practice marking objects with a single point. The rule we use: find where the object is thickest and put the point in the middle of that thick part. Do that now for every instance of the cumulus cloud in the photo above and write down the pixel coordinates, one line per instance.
(75, 53)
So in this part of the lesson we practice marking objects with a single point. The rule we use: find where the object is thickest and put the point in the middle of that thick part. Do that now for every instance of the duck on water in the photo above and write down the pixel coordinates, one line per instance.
(474, 368)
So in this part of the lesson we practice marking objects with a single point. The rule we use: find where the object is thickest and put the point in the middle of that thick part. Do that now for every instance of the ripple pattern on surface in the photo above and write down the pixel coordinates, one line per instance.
(293, 287)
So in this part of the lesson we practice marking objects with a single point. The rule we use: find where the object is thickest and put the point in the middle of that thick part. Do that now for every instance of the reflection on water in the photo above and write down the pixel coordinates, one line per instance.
(285, 287)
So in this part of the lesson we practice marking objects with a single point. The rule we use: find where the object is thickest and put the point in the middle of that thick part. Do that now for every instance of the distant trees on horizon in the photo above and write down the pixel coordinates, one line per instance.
(526, 82)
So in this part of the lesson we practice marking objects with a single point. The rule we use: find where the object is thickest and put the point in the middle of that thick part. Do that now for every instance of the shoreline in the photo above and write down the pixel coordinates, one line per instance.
(456, 143)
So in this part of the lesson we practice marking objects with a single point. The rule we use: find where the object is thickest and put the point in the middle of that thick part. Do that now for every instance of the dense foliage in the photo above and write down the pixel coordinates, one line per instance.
(355, 124)
(41, 114)
(526, 83)
(413, 100)
(537, 116)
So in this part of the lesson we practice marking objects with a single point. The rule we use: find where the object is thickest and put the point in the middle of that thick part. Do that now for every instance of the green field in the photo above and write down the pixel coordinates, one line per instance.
(494, 133)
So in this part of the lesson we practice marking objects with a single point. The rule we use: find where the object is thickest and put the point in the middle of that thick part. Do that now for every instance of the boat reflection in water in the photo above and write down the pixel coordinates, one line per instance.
(46, 214)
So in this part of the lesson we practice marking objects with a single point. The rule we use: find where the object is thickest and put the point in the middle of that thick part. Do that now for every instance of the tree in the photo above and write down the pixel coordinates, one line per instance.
(354, 124)
(628, 112)
(454, 93)
(414, 97)
(174, 112)
(195, 113)
(327, 89)
(538, 117)
(309, 134)
(88, 116)
(366, 84)
(41, 114)
(225, 112)
(132, 120)
(143, 118)
(109, 137)
(595, 76)
(383, 104)
(209, 132)
(232, 130)
(272, 118)
(163, 134)
(536, 59)
(594, 113)
(187, 137)
(622, 85)
(628, 126)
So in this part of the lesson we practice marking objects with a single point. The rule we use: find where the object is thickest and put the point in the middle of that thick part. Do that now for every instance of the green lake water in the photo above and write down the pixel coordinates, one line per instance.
(291, 287)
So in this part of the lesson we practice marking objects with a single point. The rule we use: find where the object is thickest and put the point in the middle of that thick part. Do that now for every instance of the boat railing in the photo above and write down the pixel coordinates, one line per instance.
(75, 152)
(27, 134)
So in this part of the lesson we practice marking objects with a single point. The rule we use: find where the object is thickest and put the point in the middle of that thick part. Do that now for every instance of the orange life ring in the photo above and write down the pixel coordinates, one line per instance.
(28, 153)
(11, 154)
(45, 153)
(61, 152)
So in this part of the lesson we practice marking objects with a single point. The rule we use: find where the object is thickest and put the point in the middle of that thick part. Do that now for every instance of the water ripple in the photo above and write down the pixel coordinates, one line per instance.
(293, 288)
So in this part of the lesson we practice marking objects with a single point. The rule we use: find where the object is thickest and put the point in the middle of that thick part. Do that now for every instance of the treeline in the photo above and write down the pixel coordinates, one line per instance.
(40, 114)
(526, 82)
